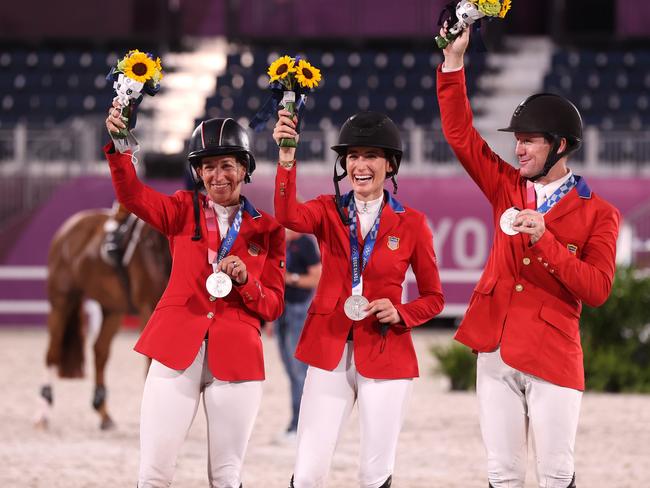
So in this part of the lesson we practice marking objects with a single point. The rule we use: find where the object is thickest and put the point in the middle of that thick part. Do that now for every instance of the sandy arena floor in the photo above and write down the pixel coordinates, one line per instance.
(440, 444)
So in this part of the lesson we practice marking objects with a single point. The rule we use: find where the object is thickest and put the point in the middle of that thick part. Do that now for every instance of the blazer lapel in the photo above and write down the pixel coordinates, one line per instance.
(567, 204)
(388, 222)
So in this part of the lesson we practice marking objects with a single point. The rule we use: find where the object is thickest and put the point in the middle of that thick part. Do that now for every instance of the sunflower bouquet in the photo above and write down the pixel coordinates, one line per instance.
(136, 74)
(290, 79)
(468, 12)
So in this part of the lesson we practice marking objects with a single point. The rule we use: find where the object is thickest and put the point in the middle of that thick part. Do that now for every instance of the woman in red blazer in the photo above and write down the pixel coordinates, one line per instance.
(204, 335)
(357, 337)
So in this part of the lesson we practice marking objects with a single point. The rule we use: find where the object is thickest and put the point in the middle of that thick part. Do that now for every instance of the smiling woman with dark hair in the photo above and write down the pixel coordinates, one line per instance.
(357, 337)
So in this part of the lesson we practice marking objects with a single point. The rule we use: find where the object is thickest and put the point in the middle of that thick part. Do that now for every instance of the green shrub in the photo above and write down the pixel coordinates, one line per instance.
(616, 337)
(615, 340)
(458, 363)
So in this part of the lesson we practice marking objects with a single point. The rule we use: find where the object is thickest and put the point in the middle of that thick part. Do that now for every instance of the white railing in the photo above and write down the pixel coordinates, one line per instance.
(77, 145)
(39, 273)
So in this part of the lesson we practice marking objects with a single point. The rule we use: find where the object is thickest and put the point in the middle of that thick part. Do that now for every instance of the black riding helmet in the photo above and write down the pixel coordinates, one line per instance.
(217, 137)
(367, 129)
(371, 129)
(555, 117)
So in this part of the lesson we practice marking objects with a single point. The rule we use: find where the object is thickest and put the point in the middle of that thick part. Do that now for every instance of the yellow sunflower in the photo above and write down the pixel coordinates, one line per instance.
(139, 66)
(281, 67)
(306, 75)
(505, 6)
(491, 8)
(158, 73)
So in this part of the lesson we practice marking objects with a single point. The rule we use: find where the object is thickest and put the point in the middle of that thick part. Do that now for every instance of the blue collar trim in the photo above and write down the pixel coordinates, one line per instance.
(392, 202)
(248, 208)
(582, 187)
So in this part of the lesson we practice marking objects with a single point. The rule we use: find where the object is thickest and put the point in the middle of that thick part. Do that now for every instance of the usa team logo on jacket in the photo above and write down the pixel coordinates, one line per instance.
(573, 249)
(393, 243)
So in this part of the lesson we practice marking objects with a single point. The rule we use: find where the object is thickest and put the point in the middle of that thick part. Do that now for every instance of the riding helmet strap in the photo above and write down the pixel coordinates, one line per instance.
(197, 214)
(337, 198)
(394, 180)
(552, 158)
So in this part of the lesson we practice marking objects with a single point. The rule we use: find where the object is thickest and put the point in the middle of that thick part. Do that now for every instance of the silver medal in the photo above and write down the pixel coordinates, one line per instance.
(355, 307)
(508, 219)
(218, 284)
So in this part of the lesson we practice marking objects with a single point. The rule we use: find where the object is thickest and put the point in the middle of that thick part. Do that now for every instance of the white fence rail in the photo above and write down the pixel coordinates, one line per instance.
(39, 273)
(426, 151)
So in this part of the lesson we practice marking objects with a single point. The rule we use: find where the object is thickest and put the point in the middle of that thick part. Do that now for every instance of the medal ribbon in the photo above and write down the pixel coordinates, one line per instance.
(565, 188)
(215, 256)
(368, 245)
(531, 196)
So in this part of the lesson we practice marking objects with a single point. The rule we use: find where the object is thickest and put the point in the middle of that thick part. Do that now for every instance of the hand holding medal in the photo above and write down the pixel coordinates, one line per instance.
(385, 311)
(530, 222)
(226, 268)
(234, 268)
(527, 221)
(229, 269)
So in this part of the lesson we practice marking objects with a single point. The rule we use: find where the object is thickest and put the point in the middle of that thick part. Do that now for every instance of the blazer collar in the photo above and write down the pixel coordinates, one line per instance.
(388, 198)
(582, 187)
(571, 201)
(245, 203)
(389, 215)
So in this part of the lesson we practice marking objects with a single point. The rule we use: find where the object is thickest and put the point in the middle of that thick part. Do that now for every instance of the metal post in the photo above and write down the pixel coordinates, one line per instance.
(591, 149)
(417, 149)
(20, 143)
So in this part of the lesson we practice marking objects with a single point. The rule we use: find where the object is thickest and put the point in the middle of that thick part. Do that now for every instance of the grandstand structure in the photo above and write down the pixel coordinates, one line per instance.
(54, 94)
(53, 100)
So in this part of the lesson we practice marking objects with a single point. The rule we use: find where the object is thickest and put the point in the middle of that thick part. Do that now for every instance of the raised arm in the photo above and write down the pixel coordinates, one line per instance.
(483, 165)
(305, 218)
(157, 209)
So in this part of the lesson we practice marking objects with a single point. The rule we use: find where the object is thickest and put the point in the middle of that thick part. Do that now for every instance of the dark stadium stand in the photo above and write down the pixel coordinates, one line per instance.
(609, 87)
(45, 86)
(400, 83)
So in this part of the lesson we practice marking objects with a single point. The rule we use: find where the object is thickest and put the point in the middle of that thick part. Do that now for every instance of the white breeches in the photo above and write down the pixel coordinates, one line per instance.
(169, 403)
(327, 400)
(509, 403)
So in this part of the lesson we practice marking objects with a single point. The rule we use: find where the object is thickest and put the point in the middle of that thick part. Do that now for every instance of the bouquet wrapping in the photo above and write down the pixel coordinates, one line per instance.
(135, 75)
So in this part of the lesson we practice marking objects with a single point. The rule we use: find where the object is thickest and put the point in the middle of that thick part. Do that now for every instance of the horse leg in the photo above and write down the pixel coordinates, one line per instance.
(59, 317)
(94, 316)
(110, 326)
(45, 400)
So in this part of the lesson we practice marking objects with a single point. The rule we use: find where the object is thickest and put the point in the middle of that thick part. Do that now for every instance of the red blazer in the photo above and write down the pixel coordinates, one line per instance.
(404, 239)
(185, 312)
(529, 297)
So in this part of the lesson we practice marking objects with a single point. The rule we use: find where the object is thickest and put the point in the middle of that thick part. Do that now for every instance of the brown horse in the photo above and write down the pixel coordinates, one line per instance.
(77, 272)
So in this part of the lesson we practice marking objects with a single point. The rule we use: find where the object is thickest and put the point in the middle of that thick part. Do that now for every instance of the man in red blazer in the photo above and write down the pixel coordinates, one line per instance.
(204, 335)
(554, 247)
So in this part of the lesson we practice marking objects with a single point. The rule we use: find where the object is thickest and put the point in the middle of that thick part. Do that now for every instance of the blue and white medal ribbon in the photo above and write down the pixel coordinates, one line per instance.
(355, 304)
(557, 195)
(509, 215)
(219, 283)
